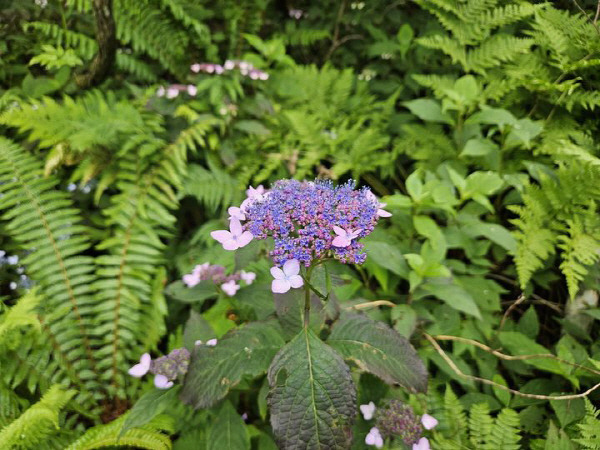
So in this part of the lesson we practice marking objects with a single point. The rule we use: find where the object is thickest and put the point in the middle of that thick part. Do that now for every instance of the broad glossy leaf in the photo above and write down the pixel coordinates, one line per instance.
(379, 349)
(215, 370)
(228, 430)
(312, 398)
(428, 110)
(455, 296)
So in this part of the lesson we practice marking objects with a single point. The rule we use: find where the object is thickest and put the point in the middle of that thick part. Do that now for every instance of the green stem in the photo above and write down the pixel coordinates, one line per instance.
(307, 297)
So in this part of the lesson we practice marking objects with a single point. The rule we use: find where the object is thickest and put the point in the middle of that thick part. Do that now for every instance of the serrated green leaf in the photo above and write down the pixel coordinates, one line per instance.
(215, 370)
(312, 398)
(228, 430)
(380, 350)
(150, 405)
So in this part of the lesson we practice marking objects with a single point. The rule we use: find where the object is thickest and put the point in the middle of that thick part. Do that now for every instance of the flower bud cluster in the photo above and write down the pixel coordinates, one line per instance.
(216, 274)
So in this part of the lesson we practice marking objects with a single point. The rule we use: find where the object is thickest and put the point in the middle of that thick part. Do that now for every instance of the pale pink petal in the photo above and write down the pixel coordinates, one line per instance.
(231, 244)
(244, 239)
(191, 279)
(248, 277)
(280, 286)
(354, 234)
(277, 273)
(423, 444)
(339, 231)
(221, 235)
(162, 382)
(235, 227)
(198, 342)
(296, 281)
(211, 342)
(368, 410)
(291, 267)
(245, 204)
(145, 360)
(341, 241)
(429, 422)
(383, 213)
(230, 288)
(138, 371)
(237, 213)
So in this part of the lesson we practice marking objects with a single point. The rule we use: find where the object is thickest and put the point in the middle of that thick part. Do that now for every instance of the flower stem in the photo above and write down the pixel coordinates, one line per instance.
(307, 298)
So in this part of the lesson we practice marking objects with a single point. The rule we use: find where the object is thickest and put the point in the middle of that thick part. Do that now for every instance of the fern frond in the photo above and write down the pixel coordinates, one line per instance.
(454, 412)
(19, 316)
(85, 46)
(480, 424)
(43, 222)
(505, 432)
(36, 424)
(214, 188)
(151, 436)
(589, 428)
(495, 50)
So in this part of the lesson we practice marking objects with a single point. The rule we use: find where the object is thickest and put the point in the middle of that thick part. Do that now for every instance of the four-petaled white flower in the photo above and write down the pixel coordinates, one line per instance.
(423, 444)
(287, 278)
(344, 237)
(141, 369)
(248, 277)
(429, 422)
(374, 438)
(162, 382)
(255, 193)
(234, 238)
(368, 410)
(236, 213)
(230, 288)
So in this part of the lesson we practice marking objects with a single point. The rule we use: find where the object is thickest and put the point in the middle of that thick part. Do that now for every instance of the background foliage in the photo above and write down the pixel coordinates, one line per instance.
(475, 120)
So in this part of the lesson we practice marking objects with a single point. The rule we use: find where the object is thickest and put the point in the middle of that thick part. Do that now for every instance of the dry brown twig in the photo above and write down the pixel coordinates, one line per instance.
(460, 373)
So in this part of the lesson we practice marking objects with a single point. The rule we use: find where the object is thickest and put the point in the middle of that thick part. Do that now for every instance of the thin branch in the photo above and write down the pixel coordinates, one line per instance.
(519, 300)
(372, 304)
(460, 373)
(593, 22)
(597, 13)
(514, 357)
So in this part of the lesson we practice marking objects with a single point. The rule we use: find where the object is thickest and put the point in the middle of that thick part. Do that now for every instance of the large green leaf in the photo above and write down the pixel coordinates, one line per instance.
(242, 352)
(379, 349)
(150, 405)
(228, 430)
(312, 397)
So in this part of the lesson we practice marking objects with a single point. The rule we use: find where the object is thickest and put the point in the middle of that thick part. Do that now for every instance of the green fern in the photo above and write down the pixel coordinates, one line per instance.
(40, 421)
(589, 428)
(150, 436)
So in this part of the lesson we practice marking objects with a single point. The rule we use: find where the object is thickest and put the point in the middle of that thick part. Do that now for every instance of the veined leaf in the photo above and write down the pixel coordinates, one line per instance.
(228, 431)
(378, 349)
(312, 398)
(215, 370)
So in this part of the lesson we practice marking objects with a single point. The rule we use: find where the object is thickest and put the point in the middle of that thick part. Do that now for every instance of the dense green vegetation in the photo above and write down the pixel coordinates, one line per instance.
(130, 127)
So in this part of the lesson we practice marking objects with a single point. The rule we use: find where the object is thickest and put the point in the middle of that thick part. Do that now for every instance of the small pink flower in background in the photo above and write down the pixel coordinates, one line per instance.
(195, 68)
(374, 438)
(219, 69)
(287, 278)
(229, 65)
(172, 92)
(211, 342)
(192, 90)
(162, 382)
(382, 212)
(191, 279)
(428, 422)
(255, 193)
(141, 369)
(368, 410)
(423, 444)
(230, 288)
(344, 237)
(236, 213)
(160, 92)
(248, 277)
(234, 238)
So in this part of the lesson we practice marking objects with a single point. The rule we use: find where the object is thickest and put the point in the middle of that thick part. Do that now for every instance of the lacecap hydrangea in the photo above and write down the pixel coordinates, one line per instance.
(308, 221)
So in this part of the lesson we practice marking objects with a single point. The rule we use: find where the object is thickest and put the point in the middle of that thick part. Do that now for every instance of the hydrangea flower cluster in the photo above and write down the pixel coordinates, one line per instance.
(397, 419)
(173, 90)
(308, 221)
(168, 368)
(216, 274)
(311, 220)
(244, 67)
